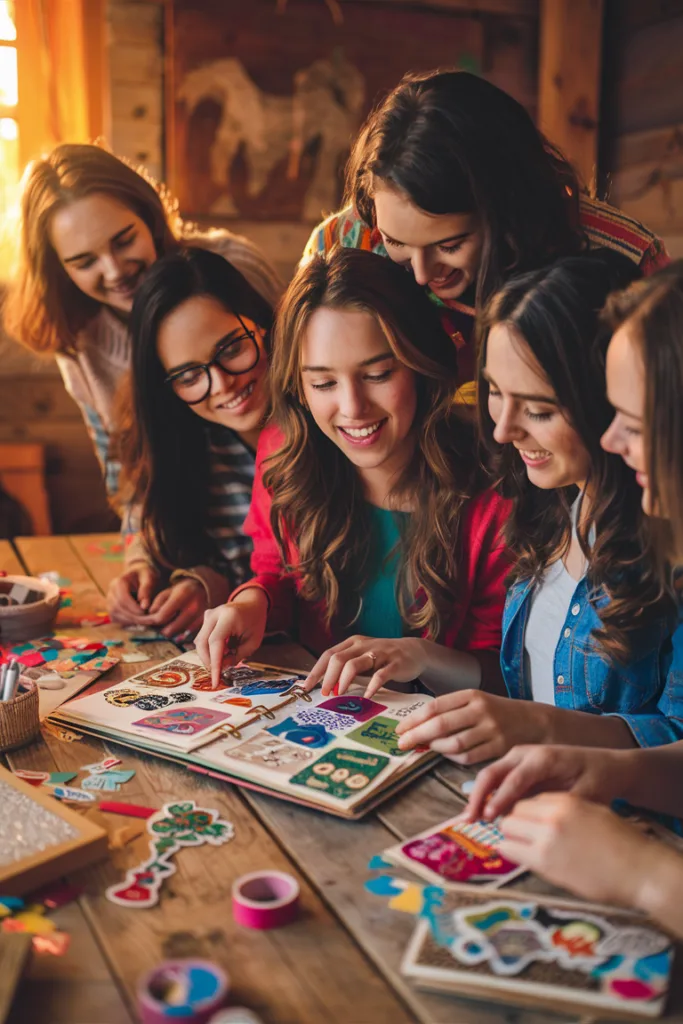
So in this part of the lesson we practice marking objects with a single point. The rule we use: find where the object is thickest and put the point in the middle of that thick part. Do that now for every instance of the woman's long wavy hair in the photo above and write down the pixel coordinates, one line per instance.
(44, 309)
(653, 313)
(556, 314)
(162, 443)
(454, 143)
(318, 497)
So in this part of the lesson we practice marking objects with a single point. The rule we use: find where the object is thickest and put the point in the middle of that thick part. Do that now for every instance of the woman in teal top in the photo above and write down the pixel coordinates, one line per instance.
(379, 612)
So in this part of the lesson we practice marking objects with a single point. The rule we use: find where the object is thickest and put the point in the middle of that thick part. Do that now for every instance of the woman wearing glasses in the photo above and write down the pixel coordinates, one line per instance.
(189, 425)
(91, 227)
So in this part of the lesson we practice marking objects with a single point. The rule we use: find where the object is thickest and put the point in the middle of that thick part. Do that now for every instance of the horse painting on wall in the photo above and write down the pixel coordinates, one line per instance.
(267, 104)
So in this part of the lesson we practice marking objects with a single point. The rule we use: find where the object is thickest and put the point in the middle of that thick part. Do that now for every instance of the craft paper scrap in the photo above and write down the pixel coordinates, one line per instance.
(100, 782)
(101, 766)
(71, 793)
(456, 851)
(61, 778)
(175, 826)
(33, 778)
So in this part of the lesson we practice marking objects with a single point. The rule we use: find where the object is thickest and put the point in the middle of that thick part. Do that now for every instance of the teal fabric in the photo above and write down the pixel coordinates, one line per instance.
(379, 615)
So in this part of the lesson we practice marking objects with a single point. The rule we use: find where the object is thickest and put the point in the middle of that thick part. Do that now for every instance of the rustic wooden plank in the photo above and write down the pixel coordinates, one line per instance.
(9, 561)
(308, 965)
(14, 953)
(49, 554)
(569, 79)
(101, 554)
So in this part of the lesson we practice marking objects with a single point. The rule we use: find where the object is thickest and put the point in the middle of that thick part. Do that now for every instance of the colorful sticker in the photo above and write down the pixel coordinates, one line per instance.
(380, 734)
(360, 708)
(269, 752)
(225, 698)
(332, 721)
(153, 701)
(341, 772)
(175, 826)
(305, 735)
(172, 674)
(268, 686)
(184, 722)
(122, 698)
(462, 853)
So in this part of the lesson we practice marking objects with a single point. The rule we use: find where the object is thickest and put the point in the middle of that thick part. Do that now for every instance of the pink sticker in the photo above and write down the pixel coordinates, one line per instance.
(183, 721)
(461, 854)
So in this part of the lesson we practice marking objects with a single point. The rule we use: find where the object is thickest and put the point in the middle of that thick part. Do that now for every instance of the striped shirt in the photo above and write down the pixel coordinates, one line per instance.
(231, 479)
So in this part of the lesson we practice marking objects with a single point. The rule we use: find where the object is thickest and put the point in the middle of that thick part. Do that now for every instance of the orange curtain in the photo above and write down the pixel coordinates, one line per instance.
(61, 72)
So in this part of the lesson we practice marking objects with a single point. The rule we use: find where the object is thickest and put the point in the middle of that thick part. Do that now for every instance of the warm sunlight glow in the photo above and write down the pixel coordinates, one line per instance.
(8, 76)
(8, 32)
(9, 130)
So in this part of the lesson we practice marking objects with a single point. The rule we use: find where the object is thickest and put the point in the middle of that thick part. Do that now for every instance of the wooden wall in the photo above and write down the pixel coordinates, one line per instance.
(642, 127)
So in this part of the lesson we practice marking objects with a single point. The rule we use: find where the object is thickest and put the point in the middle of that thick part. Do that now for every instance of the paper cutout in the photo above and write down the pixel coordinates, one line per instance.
(457, 851)
(71, 793)
(331, 720)
(225, 698)
(130, 657)
(360, 708)
(33, 778)
(270, 752)
(185, 722)
(122, 698)
(102, 766)
(55, 944)
(380, 734)
(102, 782)
(268, 686)
(175, 826)
(61, 778)
(341, 772)
(312, 736)
(175, 673)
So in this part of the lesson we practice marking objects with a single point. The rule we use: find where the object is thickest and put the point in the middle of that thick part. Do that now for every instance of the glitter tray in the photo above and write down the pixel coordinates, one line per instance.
(40, 839)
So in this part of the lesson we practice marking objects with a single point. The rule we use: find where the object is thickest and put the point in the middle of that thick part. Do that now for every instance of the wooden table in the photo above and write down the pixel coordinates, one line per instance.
(339, 964)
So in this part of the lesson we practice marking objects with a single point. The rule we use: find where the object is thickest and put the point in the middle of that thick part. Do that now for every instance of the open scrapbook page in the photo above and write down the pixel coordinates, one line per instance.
(262, 729)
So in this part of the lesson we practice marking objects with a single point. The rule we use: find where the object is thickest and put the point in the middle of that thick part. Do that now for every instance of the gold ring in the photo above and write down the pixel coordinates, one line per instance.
(373, 657)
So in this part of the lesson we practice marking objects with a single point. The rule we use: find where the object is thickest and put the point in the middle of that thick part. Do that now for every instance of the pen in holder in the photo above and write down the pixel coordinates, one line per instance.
(19, 721)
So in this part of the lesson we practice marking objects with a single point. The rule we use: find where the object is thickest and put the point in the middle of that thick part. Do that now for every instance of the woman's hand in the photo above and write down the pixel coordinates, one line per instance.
(178, 609)
(383, 660)
(580, 846)
(591, 773)
(240, 625)
(130, 594)
(470, 726)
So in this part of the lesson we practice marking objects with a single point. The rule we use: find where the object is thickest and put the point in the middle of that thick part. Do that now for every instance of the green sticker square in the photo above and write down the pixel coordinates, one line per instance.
(380, 734)
(341, 772)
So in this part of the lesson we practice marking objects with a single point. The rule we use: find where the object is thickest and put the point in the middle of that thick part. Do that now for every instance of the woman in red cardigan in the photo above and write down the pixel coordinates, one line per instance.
(369, 521)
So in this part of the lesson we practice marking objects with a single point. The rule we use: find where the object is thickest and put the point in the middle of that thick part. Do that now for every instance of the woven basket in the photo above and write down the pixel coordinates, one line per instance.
(27, 621)
(19, 721)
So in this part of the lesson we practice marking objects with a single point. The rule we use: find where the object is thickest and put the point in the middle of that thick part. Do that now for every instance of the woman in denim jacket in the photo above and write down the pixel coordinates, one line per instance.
(563, 832)
(587, 647)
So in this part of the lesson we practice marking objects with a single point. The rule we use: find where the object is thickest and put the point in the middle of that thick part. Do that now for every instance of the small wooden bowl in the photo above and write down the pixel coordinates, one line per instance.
(19, 721)
(27, 621)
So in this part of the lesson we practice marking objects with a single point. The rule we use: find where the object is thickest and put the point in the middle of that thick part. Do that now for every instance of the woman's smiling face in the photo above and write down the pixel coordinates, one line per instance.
(359, 394)
(526, 413)
(104, 247)
(443, 251)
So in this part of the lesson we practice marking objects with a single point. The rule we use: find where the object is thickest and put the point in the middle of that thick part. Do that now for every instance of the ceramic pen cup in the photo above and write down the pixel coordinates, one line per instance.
(26, 619)
(19, 720)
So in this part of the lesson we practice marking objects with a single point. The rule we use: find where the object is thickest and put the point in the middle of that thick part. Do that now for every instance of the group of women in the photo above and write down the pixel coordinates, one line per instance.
(313, 462)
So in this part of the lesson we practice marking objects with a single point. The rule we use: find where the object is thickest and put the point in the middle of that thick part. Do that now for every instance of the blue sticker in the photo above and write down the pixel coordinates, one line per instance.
(306, 735)
(378, 862)
(384, 885)
(265, 687)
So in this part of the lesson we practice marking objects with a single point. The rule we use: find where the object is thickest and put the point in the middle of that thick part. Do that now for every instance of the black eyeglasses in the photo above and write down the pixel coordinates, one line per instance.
(234, 355)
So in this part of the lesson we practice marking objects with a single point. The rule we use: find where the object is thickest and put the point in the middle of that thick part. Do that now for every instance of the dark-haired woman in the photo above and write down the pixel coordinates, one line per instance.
(588, 650)
(551, 795)
(367, 521)
(190, 425)
(450, 178)
(91, 227)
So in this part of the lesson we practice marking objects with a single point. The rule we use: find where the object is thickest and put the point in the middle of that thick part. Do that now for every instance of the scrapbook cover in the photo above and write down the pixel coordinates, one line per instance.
(260, 728)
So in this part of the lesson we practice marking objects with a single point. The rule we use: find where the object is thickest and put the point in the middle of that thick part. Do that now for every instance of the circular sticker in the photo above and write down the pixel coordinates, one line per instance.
(153, 702)
(182, 698)
(168, 677)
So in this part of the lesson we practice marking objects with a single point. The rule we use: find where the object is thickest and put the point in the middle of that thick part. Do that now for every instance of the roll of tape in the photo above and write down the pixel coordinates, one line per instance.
(182, 992)
(265, 899)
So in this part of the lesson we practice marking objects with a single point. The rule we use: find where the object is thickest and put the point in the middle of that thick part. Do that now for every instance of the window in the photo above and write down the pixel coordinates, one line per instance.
(9, 129)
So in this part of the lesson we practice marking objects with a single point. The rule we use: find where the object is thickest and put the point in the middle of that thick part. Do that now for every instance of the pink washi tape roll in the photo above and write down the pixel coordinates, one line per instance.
(182, 992)
(265, 899)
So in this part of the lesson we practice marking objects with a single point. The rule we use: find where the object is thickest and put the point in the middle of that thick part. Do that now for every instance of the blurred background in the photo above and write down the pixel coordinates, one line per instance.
(246, 109)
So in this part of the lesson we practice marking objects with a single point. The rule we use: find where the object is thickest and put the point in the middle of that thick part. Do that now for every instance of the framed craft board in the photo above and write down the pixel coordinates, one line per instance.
(543, 951)
(43, 839)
